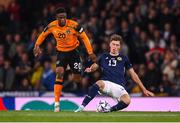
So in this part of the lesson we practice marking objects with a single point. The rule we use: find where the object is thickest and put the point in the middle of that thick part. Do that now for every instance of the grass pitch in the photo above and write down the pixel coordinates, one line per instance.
(67, 116)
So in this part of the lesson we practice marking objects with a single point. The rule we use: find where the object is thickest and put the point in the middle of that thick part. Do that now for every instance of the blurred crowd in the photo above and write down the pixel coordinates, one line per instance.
(150, 29)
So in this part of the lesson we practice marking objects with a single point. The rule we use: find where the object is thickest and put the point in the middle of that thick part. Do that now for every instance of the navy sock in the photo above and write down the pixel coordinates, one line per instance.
(119, 106)
(93, 91)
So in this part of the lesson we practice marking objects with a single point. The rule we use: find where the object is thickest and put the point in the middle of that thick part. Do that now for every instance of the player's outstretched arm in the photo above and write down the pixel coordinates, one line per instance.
(93, 57)
(37, 51)
(88, 46)
(83, 36)
(92, 68)
(136, 79)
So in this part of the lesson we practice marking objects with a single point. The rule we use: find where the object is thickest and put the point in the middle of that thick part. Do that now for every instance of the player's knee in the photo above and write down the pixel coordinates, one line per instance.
(101, 84)
(59, 72)
(126, 99)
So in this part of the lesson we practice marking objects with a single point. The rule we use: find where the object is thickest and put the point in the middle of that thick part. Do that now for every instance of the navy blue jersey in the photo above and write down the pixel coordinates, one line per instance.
(113, 68)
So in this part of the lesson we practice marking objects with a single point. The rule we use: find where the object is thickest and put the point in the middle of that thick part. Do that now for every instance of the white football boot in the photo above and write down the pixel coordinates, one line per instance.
(79, 109)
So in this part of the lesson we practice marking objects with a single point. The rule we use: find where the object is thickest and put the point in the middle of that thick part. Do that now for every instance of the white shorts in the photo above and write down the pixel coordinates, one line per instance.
(114, 90)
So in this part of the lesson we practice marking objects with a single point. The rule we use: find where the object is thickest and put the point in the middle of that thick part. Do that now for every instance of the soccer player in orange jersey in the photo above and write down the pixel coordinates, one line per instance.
(66, 32)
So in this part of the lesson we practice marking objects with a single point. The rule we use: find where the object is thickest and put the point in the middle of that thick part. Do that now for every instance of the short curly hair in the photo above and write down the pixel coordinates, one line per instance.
(60, 10)
(116, 37)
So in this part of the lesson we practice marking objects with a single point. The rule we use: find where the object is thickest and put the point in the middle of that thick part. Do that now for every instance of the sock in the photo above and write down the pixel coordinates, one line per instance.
(57, 90)
(93, 91)
(119, 106)
(56, 103)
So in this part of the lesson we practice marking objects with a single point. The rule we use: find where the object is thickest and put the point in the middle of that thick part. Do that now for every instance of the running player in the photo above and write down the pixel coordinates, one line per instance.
(66, 32)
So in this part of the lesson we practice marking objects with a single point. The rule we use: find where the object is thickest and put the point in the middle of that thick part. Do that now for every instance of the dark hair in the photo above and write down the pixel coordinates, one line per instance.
(60, 10)
(116, 37)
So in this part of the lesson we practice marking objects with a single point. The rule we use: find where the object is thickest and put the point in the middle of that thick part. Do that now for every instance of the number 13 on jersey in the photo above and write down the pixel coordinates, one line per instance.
(112, 62)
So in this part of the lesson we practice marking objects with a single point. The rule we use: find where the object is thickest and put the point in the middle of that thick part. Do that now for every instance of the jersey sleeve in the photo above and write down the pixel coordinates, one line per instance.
(43, 35)
(83, 36)
(128, 65)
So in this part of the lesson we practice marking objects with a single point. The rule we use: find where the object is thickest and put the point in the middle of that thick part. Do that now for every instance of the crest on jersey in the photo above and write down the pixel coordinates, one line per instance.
(119, 58)
(68, 31)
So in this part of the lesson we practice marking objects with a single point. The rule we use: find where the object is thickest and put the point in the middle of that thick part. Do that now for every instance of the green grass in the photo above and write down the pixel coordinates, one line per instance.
(50, 116)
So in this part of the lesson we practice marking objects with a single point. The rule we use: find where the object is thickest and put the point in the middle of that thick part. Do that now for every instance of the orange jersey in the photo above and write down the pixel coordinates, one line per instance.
(66, 37)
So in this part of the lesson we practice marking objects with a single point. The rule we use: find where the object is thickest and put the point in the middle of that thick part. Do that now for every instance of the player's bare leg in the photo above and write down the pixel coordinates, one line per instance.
(101, 85)
(58, 87)
(126, 99)
(123, 102)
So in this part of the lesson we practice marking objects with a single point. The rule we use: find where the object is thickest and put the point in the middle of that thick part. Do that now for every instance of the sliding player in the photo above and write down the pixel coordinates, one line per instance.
(112, 82)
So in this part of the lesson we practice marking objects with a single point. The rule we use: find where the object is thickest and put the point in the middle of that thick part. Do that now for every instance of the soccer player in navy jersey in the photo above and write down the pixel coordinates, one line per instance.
(113, 65)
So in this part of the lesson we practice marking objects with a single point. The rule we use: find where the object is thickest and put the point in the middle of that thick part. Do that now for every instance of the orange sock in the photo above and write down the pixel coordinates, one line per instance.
(57, 90)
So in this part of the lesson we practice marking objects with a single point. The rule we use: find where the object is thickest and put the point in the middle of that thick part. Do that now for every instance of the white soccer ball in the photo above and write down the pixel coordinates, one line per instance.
(103, 106)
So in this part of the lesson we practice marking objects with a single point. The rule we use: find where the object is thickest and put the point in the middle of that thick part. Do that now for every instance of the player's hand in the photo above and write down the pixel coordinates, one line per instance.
(148, 93)
(37, 51)
(93, 57)
(93, 68)
(88, 70)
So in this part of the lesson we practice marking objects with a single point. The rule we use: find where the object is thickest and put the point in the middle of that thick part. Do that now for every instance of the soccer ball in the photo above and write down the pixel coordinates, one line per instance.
(103, 106)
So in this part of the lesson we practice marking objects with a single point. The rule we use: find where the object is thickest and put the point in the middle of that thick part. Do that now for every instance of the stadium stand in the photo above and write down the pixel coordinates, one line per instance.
(151, 32)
